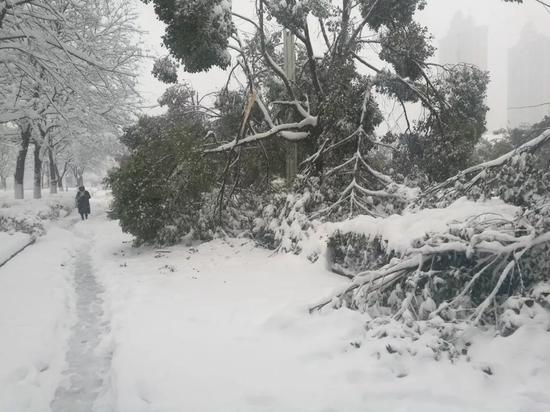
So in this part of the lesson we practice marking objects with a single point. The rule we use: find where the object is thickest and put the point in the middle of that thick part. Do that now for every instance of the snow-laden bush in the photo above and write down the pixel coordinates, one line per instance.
(284, 217)
(289, 218)
(351, 253)
(532, 307)
(31, 225)
(30, 216)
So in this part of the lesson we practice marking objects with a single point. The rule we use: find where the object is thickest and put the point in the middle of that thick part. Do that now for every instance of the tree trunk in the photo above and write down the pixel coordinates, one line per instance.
(78, 175)
(58, 177)
(19, 176)
(290, 71)
(3, 183)
(44, 177)
(37, 190)
(53, 173)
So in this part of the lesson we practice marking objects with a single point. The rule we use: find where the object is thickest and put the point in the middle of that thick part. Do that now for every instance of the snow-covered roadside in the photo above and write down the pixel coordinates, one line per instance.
(223, 327)
(31, 216)
(36, 207)
(215, 327)
(10, 243)
(35, 315)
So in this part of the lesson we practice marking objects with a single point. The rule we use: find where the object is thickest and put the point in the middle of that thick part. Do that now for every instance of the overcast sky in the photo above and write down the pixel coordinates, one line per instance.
(504, 20)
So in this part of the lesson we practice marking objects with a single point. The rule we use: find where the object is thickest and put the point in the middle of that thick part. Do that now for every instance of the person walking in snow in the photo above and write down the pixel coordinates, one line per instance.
(83, 202)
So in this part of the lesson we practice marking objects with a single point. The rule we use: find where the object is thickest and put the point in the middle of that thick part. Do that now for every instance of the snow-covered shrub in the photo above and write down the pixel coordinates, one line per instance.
(350, 253)
(431, 338)
(29, 216)
(239, 217)
(31, 225)
(531, 308)
(283, 222)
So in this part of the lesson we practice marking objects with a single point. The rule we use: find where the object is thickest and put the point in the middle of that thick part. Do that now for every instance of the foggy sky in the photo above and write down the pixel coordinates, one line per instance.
(504, 20)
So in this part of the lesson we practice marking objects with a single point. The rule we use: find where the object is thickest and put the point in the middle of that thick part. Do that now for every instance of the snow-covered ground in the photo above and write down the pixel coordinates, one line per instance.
(36, 311)
(11, 243)
(88, 323)
(30, 215)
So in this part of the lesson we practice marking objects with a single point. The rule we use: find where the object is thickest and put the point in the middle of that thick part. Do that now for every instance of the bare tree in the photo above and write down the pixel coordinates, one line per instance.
(66, 62)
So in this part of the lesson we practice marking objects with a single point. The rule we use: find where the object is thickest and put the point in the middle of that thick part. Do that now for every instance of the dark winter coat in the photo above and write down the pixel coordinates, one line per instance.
(83, 202)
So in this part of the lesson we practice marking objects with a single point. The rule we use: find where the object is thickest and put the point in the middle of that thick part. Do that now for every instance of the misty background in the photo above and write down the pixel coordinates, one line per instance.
(486, 29)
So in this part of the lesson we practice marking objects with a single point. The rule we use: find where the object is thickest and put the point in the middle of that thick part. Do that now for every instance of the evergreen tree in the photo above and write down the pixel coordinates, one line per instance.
(159, 186)
(322, 108)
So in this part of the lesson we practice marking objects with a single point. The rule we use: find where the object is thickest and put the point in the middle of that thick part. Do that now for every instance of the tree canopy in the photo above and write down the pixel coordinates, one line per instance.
(334, 106)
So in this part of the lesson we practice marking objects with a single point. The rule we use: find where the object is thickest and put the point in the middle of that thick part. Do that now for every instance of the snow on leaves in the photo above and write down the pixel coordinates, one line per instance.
(197, 31)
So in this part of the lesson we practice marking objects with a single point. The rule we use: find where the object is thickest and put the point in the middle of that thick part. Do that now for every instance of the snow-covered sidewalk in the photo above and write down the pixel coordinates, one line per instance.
(86, 375)
(36, 312)
(222, 327)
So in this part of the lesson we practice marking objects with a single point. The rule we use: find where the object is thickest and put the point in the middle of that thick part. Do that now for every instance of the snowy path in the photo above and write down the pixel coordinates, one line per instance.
(53, 329)
(88, 363)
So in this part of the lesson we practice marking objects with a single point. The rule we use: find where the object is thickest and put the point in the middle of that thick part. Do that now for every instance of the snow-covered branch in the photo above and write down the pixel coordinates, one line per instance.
(487, 248)
(290, 131)
(465, 181)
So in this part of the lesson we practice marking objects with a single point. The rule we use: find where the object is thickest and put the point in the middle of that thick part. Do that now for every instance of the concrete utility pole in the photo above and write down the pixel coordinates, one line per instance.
(290, 71)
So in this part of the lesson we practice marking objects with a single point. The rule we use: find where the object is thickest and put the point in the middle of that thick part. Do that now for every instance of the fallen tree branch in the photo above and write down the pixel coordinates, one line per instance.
(472, 176)
(490, 249)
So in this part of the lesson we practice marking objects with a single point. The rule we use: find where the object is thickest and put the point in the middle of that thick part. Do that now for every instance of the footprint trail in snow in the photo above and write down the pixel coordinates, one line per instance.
(88, 361)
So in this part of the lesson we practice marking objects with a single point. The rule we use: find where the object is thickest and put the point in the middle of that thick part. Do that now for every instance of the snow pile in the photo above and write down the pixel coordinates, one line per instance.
(29, 215)
(399, 232)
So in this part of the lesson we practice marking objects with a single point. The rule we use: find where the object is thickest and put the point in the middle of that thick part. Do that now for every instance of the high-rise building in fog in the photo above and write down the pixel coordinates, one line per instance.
(464, 43)
(528, 78)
